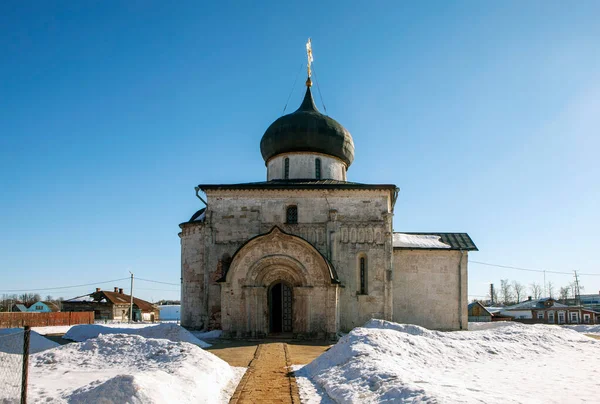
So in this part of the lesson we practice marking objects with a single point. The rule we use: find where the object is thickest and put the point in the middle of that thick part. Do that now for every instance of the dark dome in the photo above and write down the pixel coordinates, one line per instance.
(307, 130)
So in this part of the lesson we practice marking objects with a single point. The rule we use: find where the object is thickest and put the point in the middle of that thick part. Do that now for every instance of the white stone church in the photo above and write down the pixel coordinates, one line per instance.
(308, 253)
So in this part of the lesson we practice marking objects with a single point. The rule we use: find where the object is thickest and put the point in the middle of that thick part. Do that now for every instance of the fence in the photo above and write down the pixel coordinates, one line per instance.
(16, 320)
(14, 365)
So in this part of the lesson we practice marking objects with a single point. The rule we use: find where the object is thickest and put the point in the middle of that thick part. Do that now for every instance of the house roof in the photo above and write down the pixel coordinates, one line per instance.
(20, 307)
(479, 304)
(434, 241)
(112, 297)
(297, 184)
(122, 298)
(534, 304)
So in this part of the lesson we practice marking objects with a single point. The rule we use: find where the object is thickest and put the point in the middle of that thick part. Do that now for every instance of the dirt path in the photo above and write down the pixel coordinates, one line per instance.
(268, 379)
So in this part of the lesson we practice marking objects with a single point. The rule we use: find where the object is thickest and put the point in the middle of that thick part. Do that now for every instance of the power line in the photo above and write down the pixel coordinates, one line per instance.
(164, 283)
(61, 287)
(528, 269)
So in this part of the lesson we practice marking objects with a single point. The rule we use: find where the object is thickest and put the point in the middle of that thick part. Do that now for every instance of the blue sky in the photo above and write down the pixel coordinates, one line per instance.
(486, 115)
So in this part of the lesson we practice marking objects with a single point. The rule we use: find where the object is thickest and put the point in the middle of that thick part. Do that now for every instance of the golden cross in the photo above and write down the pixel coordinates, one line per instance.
(309, 56)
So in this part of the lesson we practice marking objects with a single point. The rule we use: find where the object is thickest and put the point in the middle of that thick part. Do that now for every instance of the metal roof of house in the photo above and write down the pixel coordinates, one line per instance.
(434, 241)
(534, 304)
(114, 298)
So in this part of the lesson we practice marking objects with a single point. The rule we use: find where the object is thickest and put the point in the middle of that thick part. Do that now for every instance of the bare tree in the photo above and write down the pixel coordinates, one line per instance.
(494, 298)
(536, 290)
(550, 290)
(563, 292)
(506, 291)
(519, 290)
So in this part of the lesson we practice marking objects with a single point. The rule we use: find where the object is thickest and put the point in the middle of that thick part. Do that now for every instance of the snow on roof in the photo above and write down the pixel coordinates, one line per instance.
(418, 241)
(84, 298)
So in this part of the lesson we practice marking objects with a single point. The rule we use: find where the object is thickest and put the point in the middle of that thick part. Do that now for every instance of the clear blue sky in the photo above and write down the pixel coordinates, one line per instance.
(485, 114)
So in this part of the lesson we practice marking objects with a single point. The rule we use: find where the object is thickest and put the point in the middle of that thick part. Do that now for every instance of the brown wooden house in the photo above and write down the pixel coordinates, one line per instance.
(112, 305)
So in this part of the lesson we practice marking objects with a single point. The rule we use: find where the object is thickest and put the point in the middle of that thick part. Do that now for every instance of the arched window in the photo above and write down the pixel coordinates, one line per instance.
(291, 215)
(286, 170)
(318, 169)
(363, 275)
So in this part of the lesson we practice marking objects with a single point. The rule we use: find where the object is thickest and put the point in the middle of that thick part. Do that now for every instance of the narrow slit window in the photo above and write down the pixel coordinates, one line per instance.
(318, 169)
(286, 170)
(363, 276)
(292, 215)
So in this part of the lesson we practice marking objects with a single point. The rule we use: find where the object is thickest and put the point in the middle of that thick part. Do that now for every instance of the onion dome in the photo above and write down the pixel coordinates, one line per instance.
(307, 130)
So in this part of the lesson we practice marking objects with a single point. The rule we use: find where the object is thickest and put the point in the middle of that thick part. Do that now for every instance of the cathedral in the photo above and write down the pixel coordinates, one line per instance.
(308, 253)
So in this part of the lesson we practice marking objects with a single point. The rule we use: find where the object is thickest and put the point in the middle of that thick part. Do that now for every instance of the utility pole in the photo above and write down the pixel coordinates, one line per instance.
(545, 295)
(131, 302)
(577, 292)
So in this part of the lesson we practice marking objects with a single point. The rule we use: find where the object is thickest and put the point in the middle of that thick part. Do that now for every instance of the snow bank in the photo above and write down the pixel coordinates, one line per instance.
(131, 369)
(208, 334)
(489, 325)
(587, 329)
(514, 363)
(172, 332)
(11, 341)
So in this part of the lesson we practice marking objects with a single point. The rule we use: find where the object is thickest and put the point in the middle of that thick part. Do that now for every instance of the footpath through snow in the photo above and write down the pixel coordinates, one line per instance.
(511, 363)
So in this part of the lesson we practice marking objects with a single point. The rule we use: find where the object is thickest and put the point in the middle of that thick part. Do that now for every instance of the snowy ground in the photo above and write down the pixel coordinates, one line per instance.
(499, 363)
(586, 329)
(63, 329)
(130, 369)
(117, 363)
(11, 341)
(170, 331)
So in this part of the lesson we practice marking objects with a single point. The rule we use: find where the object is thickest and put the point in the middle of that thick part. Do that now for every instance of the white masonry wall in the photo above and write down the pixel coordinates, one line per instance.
(302, 166)
(430, 288)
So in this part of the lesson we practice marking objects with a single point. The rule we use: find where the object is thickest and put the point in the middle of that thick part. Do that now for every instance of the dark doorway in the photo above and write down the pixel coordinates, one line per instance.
(280, 308)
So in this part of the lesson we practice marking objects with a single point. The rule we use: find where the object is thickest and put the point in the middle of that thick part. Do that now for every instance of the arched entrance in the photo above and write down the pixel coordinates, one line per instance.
(279, 283)
(280, 308)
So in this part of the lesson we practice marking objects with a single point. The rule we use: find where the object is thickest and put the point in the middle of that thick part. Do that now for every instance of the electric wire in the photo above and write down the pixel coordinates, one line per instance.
(61, 287)
(528, 269)
(319, 89)
(294, 86)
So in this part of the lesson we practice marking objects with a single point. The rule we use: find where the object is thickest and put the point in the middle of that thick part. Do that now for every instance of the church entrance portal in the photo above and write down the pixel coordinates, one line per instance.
(280, 308)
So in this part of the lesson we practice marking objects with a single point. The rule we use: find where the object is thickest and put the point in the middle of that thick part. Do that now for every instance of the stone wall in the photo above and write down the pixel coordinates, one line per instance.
(340, 224)
(430, 288)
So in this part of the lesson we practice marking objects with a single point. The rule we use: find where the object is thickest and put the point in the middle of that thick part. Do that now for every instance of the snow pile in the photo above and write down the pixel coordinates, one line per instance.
(584, 328)
(388, 362)
(214, 334)
(131, 369)
(418, 241)
(11, 341)
(489, 325)
(172, 332)
(170, 312)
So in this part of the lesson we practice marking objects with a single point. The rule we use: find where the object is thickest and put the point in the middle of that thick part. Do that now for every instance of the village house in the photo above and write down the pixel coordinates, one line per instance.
(549, 311)
(478, 313)
(310, 254)
(112, 305)
(43, 307)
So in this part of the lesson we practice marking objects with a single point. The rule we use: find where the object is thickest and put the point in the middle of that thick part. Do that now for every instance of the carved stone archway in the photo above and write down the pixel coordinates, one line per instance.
(266, 260)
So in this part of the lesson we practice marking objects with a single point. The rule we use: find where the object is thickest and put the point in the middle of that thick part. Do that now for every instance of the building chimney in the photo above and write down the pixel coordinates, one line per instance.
(529, 298)
(97, 289)
(121, 290)
(116, 289)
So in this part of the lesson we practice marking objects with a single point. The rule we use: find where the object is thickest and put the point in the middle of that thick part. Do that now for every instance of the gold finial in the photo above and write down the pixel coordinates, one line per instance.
(309, 57)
